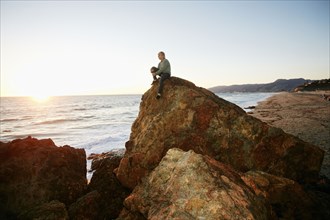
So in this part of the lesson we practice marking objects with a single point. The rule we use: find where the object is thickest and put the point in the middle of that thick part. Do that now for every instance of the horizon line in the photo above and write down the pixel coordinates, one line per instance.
(29, 96)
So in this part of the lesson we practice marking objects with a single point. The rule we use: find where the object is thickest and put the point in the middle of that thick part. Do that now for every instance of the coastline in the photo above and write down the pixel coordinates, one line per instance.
(303, 114)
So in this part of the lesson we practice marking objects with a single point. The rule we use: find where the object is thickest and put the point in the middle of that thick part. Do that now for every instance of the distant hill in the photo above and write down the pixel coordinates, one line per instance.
(277, 86)
(323, 84)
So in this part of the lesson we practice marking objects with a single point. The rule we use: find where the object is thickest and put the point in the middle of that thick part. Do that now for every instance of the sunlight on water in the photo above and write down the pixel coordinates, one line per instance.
(40, 98)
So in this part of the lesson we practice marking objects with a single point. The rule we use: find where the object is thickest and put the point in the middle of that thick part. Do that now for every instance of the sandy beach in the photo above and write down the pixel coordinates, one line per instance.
(304, 114)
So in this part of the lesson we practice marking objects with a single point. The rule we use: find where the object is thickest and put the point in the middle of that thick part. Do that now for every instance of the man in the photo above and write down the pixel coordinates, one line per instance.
(164, 71)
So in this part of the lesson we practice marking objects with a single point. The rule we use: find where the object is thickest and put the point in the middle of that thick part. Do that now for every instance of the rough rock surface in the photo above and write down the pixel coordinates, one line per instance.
(187, 185)
(189, 117)
(53, 210)
(289, 200)
(34, 172)
(104, 181)
(86, 207)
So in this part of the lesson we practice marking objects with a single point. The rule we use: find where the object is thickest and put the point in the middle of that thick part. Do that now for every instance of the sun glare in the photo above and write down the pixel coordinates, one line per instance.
(40, 98)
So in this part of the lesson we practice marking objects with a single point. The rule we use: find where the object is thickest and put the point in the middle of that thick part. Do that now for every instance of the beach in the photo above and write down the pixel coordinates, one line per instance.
(303, 114)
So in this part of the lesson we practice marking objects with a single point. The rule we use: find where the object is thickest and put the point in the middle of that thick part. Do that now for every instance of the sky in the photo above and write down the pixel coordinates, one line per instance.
(107, 47)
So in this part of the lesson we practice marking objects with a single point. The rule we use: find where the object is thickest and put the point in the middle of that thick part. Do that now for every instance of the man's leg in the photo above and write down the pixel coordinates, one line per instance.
(154, 80)
(154, 76)
(163, 77)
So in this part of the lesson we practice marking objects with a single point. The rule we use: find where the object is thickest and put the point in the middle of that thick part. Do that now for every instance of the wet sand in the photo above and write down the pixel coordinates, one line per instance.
(304, 114)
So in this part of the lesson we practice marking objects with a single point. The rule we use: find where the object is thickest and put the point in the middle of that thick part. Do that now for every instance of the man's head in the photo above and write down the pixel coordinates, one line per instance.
(161, 55)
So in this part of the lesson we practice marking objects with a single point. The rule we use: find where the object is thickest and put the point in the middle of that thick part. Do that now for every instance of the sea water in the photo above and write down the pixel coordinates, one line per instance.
(96, 123)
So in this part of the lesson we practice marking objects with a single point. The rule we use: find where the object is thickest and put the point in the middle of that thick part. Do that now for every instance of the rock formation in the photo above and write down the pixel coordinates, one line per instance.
(35, 172)
(111, 193)
(193, 118)
(191, 155)
(187, 185)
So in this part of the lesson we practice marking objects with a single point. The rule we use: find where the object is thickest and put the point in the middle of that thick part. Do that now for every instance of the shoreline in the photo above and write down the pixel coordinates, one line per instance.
(303, 114)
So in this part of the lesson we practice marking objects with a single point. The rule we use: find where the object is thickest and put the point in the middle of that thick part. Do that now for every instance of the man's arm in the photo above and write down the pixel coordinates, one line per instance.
(164, 65)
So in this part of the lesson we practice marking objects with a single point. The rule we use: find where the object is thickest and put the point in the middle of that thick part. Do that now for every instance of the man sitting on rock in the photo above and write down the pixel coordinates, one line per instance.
(164, 71)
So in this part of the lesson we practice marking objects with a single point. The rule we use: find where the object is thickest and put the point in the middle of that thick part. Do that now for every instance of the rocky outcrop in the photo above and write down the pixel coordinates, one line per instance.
(193, 118)
(35, 172)
(187, 185)
(107, 193)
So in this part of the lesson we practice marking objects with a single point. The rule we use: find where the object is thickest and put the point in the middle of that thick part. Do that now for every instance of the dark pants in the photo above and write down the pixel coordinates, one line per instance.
(163, 77)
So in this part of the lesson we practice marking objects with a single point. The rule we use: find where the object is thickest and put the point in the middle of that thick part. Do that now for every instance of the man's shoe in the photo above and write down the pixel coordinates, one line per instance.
(158, 96)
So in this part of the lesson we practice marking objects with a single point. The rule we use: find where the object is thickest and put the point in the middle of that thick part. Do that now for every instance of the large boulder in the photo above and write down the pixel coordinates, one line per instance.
(35, 172)
(187, 185)
(190, 117)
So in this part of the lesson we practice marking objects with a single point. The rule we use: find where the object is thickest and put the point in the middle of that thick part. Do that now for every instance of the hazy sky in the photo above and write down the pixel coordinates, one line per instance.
(108, 47)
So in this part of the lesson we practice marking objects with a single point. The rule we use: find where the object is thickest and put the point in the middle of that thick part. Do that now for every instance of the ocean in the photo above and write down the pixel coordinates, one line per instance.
(96, 123)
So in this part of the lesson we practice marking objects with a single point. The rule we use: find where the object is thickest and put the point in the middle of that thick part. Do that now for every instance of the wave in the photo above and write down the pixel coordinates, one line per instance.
(88, 116)
(93, 108)
(106, 106)
(80, 109)
(101, 142)
(55, 121)
(9, 119)
(39, 135)
(16, 119)
(95, 125)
